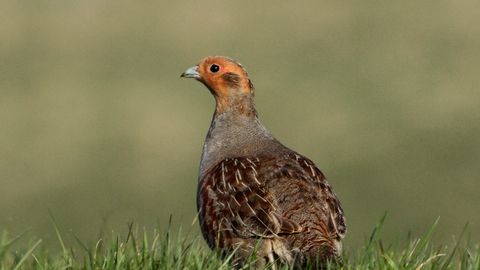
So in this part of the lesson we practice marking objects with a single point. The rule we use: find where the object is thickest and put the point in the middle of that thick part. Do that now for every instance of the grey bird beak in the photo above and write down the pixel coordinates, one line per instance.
(191, 73)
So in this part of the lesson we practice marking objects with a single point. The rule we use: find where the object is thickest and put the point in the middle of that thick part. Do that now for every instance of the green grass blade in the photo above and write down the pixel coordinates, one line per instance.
(25, 256)
(58, 232)
(447, 263)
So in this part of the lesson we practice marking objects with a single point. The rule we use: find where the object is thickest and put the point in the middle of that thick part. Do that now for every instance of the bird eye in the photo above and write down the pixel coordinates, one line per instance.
(214, 68)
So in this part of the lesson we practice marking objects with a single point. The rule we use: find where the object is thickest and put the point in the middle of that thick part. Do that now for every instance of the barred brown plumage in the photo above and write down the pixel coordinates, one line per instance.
(255, 192)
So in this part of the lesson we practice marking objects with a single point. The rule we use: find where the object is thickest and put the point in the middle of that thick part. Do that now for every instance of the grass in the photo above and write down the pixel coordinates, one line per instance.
(169, 250)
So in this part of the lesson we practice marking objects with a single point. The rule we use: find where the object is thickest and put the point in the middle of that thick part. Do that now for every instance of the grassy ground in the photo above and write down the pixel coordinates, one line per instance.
(170, 250)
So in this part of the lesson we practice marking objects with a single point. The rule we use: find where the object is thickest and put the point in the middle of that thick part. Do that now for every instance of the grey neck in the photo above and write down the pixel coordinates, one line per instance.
(233, 135)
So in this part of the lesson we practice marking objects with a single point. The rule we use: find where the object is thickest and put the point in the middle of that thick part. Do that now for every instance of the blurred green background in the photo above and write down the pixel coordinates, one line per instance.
(97, 126)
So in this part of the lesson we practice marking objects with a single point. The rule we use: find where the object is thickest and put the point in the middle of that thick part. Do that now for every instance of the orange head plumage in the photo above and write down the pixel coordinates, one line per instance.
(226, 79)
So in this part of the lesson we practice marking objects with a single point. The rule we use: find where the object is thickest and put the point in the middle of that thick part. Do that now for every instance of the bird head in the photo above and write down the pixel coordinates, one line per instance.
(226, 79)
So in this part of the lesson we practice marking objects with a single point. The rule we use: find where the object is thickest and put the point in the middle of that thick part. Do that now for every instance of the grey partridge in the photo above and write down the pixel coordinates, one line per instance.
(256, 197)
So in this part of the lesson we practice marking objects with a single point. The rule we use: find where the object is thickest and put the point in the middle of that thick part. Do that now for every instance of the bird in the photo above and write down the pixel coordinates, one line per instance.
(256, 198)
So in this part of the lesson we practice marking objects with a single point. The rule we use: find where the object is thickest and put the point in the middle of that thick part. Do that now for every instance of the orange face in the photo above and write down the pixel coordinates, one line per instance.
(224, 77)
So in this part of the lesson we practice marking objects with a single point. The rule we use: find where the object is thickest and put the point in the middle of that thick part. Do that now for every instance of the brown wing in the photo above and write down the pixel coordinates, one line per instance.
(304, 196)
(269, 197)
(325, 197)
(233, 202)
